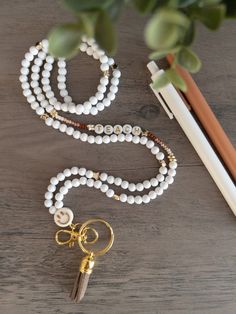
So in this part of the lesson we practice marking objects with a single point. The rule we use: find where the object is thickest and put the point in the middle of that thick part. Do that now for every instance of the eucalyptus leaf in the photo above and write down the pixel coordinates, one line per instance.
(162, 53)
(114, 9)
(87, 22)
(211, 16)
(144, 6)
(161, 81)
(189, 35)
(105, 33)
(185, 3)
(86, 5)
(64, 40)
(176, 79)
(230, 8)
(165, 29)
(188, 60)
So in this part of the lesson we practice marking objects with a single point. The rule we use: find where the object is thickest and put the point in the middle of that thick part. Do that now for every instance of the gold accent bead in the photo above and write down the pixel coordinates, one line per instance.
(44, 116)
(39, 45)
(91, 127)
(53, 113)
(106, 73)
(116, 197)
(145, 133)
(96, 175)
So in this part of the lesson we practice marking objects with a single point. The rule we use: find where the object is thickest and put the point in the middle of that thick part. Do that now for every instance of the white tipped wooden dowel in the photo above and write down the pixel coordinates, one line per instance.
(196, 137)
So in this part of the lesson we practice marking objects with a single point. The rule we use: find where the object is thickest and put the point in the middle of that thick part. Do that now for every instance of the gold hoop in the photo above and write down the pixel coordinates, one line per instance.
(106, 248)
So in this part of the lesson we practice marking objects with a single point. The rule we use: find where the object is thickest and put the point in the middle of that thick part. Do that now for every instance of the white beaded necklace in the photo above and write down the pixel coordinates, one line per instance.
(35, 79)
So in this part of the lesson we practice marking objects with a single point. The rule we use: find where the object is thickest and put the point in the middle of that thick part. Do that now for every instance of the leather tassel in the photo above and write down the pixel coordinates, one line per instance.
(82, 278)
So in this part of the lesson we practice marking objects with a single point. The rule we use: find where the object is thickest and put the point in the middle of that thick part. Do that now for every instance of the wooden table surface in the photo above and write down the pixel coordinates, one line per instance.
(176, 255)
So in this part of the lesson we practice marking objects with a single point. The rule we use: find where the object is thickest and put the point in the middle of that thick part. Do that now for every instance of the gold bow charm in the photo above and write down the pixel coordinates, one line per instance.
(65, 236)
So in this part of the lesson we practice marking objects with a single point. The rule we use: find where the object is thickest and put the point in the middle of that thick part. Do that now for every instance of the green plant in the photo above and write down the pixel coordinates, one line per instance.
(170, 29)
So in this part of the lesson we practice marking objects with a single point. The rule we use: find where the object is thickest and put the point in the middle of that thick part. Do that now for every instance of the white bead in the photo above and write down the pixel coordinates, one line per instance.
(159, 191)
(104, 188)
(91, 139)
(106, 102)
(48, 203)
(82, 171)
(123, 198)
(93, 100)
(103, 176)
(69, 130)
(34, 105)
(48, 195)
(172, 172)
(106, 139)
(67, 172)
(98, 128)
(117, 181)
(115, 81)
(169, 179)
(109, 193)
(118, 129)
(160, 156)
(104, 67)
(98, 139)
(75, 182)
(54, 181)
(152, 195)
(128, 138)
(146, 184)
(74, 170)
(155, 150)
(150, 144)
(89, 174)
(104, 59)
(49, 59)
(125, 185)
(101, 88)
(164, 185)
(25, 63)
(111, 96)
(136, 130)
(143, 140)
(60, 176)
(79, 109)
(100, 106)
(139, 187)
(59, 197)
(132, 187)
(24, 71)
(94, 111)
(127, 128)
(104, 81)
(83, 180)
(97, 184)
(90, 183)
(52, 210)
(108, 129)
(89, 51)
(29, 56)
(136, 139)
(138, 199)
(68, 184)
(110, 179)
(99, 95)
(154, 182)
(111, 61)
(72, 108)
(61, 63)
(116, 73)
(83, 137)
(83, 47)
(113, 138)
(63, 190)
(160, 177)
(146, 199)
(121, 137)
(114, 89)
(56, 124)
(163, 170)
(173, 164)
(130, 199)
(76, 134)
(51, 188)
(33, 50)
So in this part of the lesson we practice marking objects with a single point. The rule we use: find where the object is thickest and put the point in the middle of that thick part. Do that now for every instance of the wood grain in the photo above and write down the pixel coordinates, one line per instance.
(176, 255)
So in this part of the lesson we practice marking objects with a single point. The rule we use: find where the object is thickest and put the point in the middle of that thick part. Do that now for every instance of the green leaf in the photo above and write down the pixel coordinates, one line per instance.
(161, 81)
(162, 53)
(64, 40)
(189, 35)
(165, 29)
(87, 22)
(176, 79)
(230, 8)
(188, 60)
(185, 3)
(114, 9)
(105, 33)
(86, 5)
(144, 6)
(211, 16)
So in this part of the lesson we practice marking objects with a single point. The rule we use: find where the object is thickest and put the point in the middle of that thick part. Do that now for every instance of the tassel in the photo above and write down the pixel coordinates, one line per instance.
(82, 278)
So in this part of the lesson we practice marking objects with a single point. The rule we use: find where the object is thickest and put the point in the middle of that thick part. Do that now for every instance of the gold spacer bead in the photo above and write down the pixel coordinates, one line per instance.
(145, 133)
(39, 45)
(53, 113)
(44, 116)
(116, 197)
(91, 127)
(96, 175)
(106, 73)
